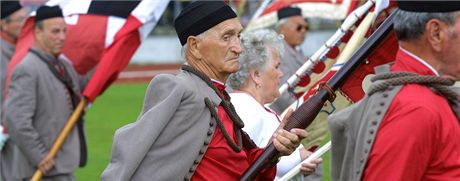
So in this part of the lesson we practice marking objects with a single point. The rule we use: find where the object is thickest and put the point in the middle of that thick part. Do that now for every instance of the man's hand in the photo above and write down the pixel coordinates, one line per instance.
(308, 168)
(286, 142)
(46, 164)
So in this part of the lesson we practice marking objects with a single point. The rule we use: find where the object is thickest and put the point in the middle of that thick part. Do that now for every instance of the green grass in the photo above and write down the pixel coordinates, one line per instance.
(118, 106)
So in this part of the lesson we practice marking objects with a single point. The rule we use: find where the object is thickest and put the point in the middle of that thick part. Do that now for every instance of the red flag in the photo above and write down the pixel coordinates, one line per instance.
(102, 33)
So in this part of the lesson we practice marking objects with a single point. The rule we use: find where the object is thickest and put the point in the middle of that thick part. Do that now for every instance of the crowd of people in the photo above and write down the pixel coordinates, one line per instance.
(192, 126)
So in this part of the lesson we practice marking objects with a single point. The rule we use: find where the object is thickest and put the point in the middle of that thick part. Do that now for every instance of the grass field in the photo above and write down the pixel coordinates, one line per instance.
(119, 105)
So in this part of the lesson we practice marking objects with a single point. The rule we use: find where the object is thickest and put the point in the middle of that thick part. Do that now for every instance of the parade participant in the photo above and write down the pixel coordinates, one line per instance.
(256, 84)
(293, 27)
(43, 92)
(407, 130)
(188, 128)
(12, 19)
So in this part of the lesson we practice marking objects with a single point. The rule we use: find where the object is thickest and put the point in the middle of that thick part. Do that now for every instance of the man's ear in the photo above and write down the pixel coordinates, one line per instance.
(193, 44)
(37, 31)
(436, 32)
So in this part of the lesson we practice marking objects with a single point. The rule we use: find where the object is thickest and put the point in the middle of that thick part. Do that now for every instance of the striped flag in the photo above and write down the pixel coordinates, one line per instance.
(102, 36)
(352, 89)
(329, 9)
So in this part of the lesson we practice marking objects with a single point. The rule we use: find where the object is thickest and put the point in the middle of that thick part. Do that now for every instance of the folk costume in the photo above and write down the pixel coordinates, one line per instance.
(405, 128)
(42, 94)
(188, 129)
(7, 47)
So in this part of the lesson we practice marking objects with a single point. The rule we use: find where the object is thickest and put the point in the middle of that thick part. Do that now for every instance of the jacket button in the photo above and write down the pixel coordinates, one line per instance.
(196, 162)
(211, 124)
(209, 132)
(201, 151)
(191, 170)
(206, 142)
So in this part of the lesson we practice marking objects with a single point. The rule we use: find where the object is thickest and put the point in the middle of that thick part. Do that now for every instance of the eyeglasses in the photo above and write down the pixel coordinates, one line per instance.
(300, 27)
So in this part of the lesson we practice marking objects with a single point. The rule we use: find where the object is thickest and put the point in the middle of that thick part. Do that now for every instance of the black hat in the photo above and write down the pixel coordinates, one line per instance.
(46, 12)
(9, 7)
(429, 6)
(200, 16)
(288, 12)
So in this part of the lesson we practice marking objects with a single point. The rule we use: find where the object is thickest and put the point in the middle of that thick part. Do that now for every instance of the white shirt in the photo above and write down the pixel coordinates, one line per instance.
(260, 123)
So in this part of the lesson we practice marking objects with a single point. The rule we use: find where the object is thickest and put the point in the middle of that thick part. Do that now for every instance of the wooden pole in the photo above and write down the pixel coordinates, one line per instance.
(63, 135)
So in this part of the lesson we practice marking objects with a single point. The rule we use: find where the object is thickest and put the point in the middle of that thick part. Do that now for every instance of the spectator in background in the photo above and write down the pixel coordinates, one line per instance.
(256, 84)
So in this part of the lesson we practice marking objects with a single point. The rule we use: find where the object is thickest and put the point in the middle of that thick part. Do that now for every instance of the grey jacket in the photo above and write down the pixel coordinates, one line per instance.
(291, 61)
(6, 156)
(37, 108)
(7, 51)
(170, 136)
(353, 132)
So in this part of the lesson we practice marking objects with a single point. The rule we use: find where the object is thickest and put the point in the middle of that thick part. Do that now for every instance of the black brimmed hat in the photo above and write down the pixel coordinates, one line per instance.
(9, 7)
(46, 12)
(200, 16)
(430, 6)
(288, 12)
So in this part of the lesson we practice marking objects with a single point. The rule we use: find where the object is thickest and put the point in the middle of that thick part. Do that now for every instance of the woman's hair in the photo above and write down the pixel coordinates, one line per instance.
(256, 55)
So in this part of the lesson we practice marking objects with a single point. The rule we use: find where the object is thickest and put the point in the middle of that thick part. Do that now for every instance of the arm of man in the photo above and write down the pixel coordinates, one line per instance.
(19, 108)
(132, 142)
(403, 145)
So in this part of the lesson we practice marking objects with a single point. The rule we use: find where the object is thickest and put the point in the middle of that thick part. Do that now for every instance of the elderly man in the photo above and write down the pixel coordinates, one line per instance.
(293, 26)
(408, 130)
(188, 129)
(43, 92)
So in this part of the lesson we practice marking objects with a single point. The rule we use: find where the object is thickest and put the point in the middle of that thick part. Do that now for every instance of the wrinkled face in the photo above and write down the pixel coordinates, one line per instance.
(294, 30)
(451, 53)
(221, 47)
(52, 35)
(12, 25)
(270, 79)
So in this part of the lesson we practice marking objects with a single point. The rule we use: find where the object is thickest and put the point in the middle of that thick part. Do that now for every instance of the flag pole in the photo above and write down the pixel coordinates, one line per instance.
(323, 50)
(63, 135)
(317, 154)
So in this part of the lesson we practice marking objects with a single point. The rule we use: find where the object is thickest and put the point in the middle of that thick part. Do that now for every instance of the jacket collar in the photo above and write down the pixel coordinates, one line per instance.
(408, 62)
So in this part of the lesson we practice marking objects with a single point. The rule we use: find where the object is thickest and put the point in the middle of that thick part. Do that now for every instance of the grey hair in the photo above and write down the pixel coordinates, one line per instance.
(411, 25)
(280, 23)
(39, 25)
(184, 48)
(256, 55)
